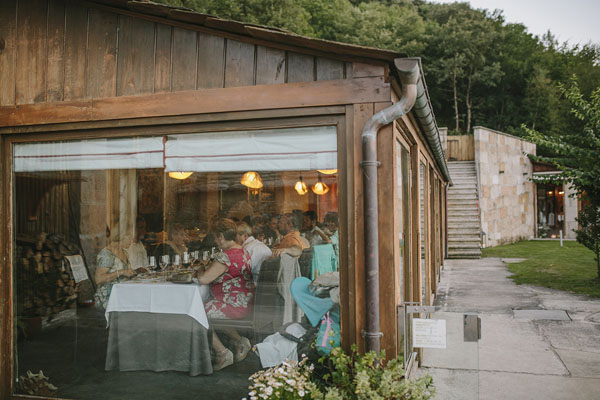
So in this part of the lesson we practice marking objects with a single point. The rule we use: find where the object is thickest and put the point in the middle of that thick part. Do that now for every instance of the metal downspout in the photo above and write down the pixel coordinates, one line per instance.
(409, 72)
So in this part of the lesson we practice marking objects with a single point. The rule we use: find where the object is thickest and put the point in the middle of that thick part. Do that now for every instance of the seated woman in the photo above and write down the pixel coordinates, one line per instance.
(174, 246)
(111, 265)
(232, 288)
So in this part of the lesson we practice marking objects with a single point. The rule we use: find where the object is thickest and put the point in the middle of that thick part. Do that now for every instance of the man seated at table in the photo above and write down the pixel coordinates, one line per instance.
(291, 243)
(232, 289)
(270, 229)
(258, 250)
(314, 234)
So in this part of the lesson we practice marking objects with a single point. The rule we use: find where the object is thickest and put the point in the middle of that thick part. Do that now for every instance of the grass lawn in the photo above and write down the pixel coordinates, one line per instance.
(571, 267)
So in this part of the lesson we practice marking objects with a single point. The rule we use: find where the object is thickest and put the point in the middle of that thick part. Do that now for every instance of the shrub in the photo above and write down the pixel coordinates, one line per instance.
(340, 376)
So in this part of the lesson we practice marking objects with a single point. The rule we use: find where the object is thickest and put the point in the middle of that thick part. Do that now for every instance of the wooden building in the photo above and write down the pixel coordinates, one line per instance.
(119, 84)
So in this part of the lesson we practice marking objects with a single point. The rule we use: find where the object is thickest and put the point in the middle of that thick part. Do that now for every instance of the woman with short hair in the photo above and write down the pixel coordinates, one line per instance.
(232, 289)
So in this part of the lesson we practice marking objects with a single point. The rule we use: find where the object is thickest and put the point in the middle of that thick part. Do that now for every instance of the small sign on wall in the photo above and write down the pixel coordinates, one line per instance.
(78, 268)
(429, 333)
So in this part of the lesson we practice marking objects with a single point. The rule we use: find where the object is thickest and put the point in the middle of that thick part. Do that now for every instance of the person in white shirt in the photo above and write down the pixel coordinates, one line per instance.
(136, 253)
(258, 251)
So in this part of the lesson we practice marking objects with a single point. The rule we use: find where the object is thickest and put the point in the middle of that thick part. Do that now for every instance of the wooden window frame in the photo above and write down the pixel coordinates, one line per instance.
(246, 120)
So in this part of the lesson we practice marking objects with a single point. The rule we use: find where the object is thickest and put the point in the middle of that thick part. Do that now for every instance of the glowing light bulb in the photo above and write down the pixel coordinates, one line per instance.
(300, 187)
(320, 187)
(252, 180)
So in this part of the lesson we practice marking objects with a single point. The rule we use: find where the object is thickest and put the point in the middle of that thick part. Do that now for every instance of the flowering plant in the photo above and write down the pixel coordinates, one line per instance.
(290, 380)
(340, 376)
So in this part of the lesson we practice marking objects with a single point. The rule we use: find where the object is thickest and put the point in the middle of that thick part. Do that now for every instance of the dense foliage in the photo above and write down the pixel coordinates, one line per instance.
(340, 376)
(480, 70)
(575, 152)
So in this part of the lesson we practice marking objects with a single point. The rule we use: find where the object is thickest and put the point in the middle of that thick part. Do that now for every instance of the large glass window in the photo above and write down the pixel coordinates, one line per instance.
(149, 266)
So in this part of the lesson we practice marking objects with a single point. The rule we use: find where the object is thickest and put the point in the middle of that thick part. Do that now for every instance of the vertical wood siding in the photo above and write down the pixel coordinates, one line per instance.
(51, 52)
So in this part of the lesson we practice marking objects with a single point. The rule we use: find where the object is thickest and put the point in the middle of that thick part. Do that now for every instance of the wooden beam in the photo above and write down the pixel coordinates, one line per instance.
(6, 353)
(302, 94)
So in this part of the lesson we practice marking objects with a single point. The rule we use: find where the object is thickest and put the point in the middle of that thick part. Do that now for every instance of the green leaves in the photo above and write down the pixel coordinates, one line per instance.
(575, 153)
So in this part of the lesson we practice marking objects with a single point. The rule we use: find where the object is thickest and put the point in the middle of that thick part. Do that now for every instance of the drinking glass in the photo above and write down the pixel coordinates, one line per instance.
(152, 263)
(164, 261)
(176, 262)
(205, 258)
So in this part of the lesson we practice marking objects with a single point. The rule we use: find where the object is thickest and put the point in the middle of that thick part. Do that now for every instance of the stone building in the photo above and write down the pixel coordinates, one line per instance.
(494, 200)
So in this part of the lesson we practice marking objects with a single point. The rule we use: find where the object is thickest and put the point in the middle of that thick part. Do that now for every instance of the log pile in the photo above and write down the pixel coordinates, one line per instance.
(45, 284)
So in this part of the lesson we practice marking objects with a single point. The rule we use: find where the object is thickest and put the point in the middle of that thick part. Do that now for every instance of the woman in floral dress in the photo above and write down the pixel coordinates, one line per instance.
(232, 289)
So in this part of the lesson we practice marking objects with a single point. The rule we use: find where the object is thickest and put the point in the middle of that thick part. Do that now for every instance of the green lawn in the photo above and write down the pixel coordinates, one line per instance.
(571, 267)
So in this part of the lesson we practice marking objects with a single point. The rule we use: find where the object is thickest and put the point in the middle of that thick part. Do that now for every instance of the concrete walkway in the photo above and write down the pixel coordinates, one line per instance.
(524, 354)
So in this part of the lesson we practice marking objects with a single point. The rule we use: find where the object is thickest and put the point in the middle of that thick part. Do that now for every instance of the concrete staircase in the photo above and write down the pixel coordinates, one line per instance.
(464, 225)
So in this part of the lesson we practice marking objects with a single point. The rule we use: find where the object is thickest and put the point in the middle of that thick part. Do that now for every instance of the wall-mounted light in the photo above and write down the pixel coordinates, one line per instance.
(328, 171)
(300, 187)
(180, 175)
(252, 180)
(561, 192)
(320, 187)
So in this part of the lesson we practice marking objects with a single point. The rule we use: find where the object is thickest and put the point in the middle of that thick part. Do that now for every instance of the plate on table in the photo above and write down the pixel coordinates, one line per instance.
(185, 277)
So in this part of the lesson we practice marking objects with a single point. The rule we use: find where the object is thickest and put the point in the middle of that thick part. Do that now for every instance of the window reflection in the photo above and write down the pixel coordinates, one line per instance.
(186, 272)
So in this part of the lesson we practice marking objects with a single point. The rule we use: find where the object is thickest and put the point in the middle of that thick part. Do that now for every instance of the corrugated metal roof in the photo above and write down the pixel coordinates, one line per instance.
(275, 35)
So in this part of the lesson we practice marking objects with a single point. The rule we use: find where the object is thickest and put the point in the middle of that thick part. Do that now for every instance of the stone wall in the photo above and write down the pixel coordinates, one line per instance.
(506, 193)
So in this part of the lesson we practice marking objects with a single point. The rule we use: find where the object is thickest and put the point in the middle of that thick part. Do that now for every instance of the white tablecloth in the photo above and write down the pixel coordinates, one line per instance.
(164, 298)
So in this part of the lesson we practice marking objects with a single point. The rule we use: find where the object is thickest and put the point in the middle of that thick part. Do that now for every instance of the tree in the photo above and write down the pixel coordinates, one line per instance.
(462, 56)
(575, 154)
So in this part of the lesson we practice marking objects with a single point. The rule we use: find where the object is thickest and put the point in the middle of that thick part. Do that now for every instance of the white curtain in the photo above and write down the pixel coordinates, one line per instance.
(100, 154)
(295, 149)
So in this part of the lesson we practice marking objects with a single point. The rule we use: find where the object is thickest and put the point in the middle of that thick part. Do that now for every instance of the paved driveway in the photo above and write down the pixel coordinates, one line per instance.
(536, 343)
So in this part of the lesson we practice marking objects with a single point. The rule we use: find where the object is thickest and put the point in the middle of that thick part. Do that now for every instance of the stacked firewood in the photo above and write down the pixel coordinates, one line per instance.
(45, 284)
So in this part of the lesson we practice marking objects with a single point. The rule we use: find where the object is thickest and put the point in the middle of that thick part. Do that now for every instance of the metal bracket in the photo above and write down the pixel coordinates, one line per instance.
(420, 309)
(370, 334)
(369, 163)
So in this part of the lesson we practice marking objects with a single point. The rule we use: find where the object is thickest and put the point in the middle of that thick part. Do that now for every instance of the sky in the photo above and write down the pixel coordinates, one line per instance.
(573, 21)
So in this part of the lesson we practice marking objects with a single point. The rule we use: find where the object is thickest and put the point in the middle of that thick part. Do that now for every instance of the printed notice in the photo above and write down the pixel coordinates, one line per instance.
(77, 267)
(429, 333)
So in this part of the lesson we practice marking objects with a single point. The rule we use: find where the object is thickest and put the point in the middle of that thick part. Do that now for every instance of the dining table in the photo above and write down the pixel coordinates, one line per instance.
(157, 325)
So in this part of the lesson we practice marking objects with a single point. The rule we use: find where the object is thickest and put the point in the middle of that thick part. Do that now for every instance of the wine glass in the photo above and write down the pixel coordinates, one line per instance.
(186, 260)
(196, 256)
(205, 258)
(164, 261)
(176, 262)
(152, 263)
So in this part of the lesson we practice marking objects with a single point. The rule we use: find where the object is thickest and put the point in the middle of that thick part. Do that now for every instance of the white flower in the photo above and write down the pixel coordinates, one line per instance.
(269, 391)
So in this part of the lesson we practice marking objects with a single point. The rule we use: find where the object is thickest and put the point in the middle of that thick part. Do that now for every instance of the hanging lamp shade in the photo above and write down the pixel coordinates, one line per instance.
(327, 171)
(300, 187)
(180, 175)
(320, 187)
(252, 180)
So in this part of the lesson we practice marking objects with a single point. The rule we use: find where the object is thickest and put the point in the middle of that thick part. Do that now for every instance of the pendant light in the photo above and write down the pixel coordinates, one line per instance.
(320, 187)
(180, 175)
(327, 171)
(252, 180)
(300, 187)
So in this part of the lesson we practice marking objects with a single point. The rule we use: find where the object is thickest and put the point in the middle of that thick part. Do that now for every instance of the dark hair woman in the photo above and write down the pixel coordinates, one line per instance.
(232, 289)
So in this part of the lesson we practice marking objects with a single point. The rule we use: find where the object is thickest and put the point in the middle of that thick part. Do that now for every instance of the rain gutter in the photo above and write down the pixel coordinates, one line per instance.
(414, 97)
(409, 72)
